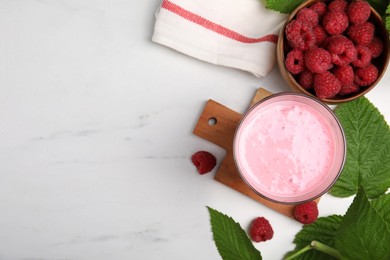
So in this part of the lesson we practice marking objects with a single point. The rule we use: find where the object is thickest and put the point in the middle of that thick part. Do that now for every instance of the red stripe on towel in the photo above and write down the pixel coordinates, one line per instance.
(168, 5)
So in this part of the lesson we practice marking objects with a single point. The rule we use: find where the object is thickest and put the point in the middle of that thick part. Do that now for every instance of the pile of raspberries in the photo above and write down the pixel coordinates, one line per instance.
(333, 47)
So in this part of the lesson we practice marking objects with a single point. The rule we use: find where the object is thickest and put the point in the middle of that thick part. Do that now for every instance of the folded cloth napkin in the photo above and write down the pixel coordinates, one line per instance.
(241, 34)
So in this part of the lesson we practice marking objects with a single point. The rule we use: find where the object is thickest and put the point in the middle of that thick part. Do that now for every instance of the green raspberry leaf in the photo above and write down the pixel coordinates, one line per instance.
(387, 18)
(231, 240)
(282, 6)
(387, 22)
(388, 8)
(323, 230)
(364, 232)
(368, 150)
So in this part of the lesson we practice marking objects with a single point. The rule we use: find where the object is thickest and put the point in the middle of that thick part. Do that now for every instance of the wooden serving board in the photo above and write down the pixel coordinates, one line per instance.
(218, 124)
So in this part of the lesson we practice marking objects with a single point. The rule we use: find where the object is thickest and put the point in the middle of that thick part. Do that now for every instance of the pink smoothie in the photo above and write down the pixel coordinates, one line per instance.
(287, 149)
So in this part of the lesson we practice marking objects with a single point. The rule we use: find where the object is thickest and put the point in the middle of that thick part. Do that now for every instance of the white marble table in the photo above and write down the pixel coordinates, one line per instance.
(95, 134)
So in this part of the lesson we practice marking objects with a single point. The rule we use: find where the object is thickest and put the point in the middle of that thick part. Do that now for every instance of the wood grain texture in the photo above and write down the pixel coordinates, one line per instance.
(222, 134)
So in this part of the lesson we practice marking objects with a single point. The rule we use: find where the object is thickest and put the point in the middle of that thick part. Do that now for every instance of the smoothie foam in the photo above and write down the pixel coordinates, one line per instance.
(286, 148)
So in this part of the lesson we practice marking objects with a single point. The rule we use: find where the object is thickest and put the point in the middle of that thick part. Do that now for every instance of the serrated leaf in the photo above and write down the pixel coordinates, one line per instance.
(382, 205)
(364, 232)
(387, 23)
(231, 240)
(387, 18)
(282, 6)
(368, 150)
(323, 230)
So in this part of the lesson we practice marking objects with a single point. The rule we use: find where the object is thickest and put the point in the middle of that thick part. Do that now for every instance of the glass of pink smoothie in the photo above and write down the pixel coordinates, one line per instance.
(289, 148)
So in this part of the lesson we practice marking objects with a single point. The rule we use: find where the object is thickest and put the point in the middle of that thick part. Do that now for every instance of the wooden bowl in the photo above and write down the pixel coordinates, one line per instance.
(381, 62)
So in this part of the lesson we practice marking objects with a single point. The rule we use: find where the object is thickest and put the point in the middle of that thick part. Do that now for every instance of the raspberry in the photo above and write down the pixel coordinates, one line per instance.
(339, 5)
(300, 35)
(363, 56)
(358, 12)
(366, 76)
(308, 16)
(376, 47)
(362, 33)
(260, 230)
(320, 34)
(344, 74)
(326, 85)
(306, 79)
(204, 161)
(348, 89)
(335, 22)
(294, 62)
(306, 213)
(341, 50)
(319, 8)
(318, 60)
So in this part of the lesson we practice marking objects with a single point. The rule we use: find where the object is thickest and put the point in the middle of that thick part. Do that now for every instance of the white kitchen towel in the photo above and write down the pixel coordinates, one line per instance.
(241, 34)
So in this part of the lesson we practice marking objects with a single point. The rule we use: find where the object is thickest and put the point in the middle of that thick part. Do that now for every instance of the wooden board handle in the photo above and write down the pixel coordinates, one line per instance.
(217, 124)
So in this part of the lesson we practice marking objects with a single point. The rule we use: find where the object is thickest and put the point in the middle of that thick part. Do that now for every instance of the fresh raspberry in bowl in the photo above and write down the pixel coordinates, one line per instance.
(308, 16)
(339, 5)
(326, 85)
(342, 51)
(335, 22)
(300, 35)
(319, 8)
(306, 79)
(376, 47)
(294, 62)
(344, 74)
(318, 60)
(362, 33)
(350, 32)
(358, 12)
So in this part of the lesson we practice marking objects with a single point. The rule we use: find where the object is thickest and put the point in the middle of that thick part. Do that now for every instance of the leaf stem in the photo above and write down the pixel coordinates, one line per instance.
(319, 247)
(325, 249)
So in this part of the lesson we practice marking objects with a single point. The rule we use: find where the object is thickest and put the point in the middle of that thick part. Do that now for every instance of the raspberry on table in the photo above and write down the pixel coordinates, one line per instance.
(317, 60)
(294, 62)
(260, 230)
(306, 79)
(335, 22)
(300, 35)
(362, 33)
(320, 34)
(326, 85)
(339, 5)
(376, 47)
(306, 213)
(342, 50)
(358, 12)
(308, 16)
(366, 76)
(204, 161)
(348, 89)
(364, 56)
(319, 8)
(344, 74)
